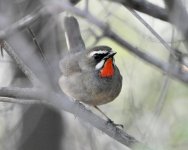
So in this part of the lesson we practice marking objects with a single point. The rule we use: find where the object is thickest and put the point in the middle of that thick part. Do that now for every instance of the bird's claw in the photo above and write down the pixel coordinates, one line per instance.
(109, 121)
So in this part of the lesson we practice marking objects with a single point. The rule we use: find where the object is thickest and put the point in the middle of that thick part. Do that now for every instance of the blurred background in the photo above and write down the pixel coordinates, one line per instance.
(151, 106)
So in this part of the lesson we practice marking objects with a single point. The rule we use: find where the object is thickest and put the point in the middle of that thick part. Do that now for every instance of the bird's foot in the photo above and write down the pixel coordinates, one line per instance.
(109, 121)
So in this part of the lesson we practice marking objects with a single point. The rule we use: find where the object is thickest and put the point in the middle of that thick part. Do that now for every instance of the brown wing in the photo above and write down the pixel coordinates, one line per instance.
(69, 65)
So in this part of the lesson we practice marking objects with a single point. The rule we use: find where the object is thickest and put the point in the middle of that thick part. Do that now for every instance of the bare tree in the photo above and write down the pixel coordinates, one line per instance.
(32, 35)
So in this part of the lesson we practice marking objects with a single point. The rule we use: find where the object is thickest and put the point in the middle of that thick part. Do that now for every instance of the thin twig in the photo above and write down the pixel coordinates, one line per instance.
(163, 42)
(36, 42)
(162, 97)
(41, 51)
(163, 93)
(97, 37)
(165, 85)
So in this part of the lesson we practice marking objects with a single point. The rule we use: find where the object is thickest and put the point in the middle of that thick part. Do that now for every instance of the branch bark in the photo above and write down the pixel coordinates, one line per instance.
(19, 101)
(25, 69)
(146, 8)
(28, 20)
(108, 32)
(59, 102)
(178, 16)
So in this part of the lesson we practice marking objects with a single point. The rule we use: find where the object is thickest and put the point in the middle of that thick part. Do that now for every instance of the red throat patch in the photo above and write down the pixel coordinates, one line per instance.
(108, 69)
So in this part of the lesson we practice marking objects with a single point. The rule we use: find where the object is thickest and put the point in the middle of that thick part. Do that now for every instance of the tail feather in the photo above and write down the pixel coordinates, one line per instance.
(73, 36)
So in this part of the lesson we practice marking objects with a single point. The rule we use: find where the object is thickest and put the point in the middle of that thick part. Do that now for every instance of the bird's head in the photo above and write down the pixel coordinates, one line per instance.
(101, 58)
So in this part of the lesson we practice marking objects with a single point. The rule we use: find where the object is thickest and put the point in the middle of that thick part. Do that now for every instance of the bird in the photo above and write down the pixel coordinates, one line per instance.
(89, 75)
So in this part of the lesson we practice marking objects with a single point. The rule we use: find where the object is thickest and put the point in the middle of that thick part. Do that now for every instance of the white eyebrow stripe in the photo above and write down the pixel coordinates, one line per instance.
(97, 52)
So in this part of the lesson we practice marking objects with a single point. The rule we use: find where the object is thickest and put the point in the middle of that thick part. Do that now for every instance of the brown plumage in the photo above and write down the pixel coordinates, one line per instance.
(81, 78)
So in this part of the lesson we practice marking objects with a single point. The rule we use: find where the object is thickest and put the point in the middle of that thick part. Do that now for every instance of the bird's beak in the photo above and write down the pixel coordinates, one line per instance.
(111, 54)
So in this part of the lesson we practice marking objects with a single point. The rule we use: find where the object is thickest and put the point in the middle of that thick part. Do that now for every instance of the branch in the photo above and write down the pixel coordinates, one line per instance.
(162, 41)
(29, 19)
(145, 7)
(105, 28)
(19, 101)
(178, 15)
(163, 66)
(142, 6)
(21, 24)
(59, 102)
(25, 69)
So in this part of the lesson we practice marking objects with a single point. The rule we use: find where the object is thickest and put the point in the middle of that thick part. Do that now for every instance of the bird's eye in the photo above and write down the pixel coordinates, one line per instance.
(96, 56)
(99, 56)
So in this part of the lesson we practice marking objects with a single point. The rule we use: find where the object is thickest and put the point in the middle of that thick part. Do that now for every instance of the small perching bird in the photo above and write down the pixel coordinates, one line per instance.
(91, 75)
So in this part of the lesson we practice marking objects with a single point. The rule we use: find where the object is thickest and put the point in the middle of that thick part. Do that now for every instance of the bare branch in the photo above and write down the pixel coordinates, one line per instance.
(25, 69)
(162, 96)
(163, 42)
(163, 66)
(21, 24)
(37, 43)
(29, 19)
(59, 102)
(178, 15)
(145, 7)
(107, 32)
(19, 101)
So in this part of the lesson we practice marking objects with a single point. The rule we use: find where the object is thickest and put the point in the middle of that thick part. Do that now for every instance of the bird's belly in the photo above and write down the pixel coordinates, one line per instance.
(89, 90)
(103, 91)
(99, 99)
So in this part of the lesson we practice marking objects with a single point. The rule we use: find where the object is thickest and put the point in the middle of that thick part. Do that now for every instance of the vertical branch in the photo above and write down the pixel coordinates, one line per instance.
(178, 16)
(31, 76)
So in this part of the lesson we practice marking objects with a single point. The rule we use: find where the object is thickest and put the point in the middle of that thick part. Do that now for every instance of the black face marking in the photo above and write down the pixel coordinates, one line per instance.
(99, 57)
